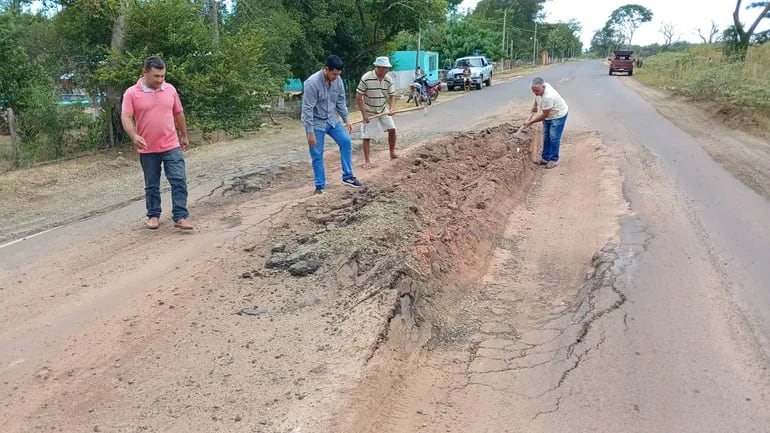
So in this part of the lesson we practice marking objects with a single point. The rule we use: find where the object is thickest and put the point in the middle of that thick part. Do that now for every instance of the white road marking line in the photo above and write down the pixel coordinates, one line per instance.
(8, 244)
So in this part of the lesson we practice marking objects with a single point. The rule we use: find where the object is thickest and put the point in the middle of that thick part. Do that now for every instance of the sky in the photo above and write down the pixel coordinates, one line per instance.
(686, 15)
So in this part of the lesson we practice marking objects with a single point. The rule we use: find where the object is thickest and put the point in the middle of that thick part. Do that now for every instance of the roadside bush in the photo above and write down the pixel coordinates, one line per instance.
(704, 74)
(226, 89)
(758, 63)
(40, 126)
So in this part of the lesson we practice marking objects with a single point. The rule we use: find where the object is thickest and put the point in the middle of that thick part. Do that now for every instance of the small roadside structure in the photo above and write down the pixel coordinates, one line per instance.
(405, 66)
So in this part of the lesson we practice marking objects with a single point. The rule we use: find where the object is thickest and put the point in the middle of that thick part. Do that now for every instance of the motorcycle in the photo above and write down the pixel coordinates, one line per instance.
(424, 90)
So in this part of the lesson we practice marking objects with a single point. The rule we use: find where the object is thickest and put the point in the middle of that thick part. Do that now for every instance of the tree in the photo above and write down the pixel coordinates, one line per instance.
(561, 39)
(280, 29)
(668, 30)
(628, 18)
(16, 73)
(519, 17)
(606, 40)
(742, 36)
(713, 34)
(213, 14)
(355, 30)
(463, 38)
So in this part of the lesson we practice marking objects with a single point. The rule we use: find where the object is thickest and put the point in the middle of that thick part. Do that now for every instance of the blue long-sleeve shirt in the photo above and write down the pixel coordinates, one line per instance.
(322, 103)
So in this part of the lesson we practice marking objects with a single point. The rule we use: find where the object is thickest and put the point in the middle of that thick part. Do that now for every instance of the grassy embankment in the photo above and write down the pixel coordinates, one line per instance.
(741, 89)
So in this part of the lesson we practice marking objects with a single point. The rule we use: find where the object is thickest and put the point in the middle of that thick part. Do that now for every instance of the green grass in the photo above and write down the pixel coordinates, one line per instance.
(703, 74)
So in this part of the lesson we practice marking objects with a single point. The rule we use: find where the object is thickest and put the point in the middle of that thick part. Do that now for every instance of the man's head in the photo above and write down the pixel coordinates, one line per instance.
(154, 72)
(538, 86)
(332, 67)
(382, 66)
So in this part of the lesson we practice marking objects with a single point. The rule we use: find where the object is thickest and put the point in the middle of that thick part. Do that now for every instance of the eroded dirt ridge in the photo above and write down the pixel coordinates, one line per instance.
(507, 336)
(277, 311)
(393, 248)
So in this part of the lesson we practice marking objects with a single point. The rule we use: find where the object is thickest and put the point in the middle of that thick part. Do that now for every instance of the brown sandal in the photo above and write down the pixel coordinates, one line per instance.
(153, 223)
(183, 224)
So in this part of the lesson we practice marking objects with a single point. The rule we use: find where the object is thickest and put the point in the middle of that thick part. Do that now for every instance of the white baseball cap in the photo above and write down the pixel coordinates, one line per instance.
(383, 61)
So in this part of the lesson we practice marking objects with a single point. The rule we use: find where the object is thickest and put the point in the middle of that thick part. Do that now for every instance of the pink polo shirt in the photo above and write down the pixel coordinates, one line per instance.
(153, 112)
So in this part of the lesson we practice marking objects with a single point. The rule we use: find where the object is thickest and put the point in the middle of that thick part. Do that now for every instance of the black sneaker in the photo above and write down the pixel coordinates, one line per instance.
(352, 182)
(318, 191)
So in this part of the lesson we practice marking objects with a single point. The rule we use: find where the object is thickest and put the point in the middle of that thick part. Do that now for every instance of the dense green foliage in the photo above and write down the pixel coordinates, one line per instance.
(229, 62)
(703, 73)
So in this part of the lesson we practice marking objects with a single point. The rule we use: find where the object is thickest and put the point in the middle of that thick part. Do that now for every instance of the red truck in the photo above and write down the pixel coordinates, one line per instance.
(622, 62)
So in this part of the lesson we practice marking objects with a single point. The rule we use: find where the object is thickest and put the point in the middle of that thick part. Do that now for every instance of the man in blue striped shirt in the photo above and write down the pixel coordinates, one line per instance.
(323, 100)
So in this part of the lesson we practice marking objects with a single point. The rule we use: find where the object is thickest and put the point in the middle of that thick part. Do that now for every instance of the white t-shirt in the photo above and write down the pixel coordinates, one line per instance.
(551, 99)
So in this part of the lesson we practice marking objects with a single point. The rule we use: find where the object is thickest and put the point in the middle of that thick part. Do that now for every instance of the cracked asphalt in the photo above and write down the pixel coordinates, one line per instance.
(629, 292)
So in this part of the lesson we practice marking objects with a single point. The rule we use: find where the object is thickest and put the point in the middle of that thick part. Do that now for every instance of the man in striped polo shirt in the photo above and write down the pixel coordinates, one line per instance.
(376, 95)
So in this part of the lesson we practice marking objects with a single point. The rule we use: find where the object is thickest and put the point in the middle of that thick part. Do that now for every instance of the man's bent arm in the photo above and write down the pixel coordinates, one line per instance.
(309, 100)
(184, 141)
(180, 123)
(127, 119)
(342, 106)
(360, 102)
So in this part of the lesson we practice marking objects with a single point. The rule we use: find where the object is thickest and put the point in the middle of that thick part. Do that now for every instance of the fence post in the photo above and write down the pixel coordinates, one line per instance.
(14, 138)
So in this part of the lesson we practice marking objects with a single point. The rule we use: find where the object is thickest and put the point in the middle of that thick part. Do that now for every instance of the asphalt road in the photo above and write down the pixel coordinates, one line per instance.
(691, 353)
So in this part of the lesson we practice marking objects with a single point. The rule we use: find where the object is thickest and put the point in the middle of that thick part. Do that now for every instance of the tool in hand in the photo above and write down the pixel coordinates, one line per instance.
(385, 113)
(518, 134)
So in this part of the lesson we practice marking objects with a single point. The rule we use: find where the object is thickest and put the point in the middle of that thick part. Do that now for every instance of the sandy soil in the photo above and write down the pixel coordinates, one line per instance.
(155, 342)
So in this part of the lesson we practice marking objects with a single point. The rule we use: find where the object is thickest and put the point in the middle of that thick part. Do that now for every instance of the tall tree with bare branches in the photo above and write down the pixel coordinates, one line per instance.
(713, 34)
(743, 33)
(668, 30)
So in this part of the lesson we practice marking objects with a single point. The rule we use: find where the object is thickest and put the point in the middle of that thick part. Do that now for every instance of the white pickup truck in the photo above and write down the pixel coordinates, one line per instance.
(481, 72)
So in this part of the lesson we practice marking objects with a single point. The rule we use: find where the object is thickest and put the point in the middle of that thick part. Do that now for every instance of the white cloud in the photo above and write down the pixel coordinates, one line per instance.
(686, 15)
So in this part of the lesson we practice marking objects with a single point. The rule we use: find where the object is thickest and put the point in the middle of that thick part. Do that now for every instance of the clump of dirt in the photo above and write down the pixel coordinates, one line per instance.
(736, 117)
(270, 333)
(464, 188)
(394, 248)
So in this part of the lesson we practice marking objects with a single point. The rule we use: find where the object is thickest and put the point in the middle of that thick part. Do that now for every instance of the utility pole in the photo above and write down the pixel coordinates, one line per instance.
(417, 58)
(534, 45)
(505, 15)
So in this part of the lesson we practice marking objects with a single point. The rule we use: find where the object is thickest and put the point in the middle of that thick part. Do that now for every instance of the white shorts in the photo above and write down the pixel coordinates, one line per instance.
(372, 129)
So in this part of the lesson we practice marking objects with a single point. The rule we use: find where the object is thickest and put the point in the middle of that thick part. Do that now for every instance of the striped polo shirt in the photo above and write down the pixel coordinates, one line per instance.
(376, 92)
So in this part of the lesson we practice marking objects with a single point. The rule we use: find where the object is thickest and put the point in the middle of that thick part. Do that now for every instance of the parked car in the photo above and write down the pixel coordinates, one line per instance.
(622, 62)
(481, 72)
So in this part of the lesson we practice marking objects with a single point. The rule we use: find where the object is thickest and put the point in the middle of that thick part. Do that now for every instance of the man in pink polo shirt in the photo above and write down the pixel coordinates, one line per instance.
(151, 114)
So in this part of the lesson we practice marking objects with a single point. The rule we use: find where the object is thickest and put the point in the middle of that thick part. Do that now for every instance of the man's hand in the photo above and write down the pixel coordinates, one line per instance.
(311, 139)
(391, 111)
(139, 142)
(365, 117)
(185, 142)
(349, 127)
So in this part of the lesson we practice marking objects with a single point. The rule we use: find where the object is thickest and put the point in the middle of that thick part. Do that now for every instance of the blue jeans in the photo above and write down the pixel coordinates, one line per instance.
(552, 130)
(342, 138)
(174, 167)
